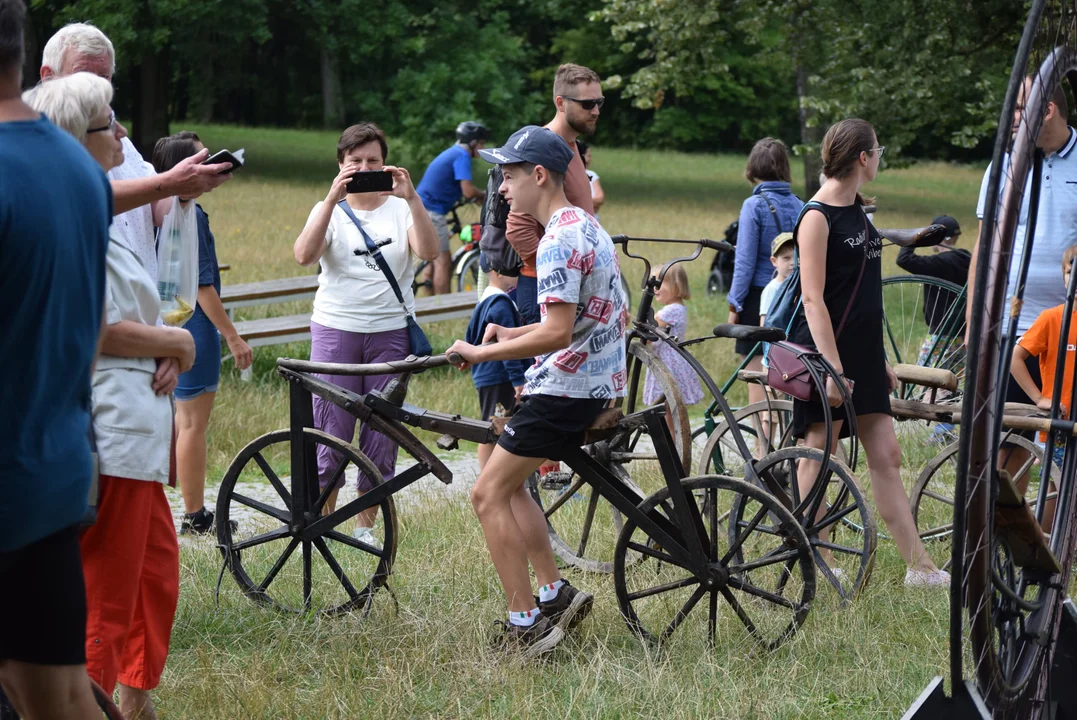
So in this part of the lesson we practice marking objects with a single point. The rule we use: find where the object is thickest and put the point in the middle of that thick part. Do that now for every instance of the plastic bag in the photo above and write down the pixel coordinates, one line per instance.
(177, 263)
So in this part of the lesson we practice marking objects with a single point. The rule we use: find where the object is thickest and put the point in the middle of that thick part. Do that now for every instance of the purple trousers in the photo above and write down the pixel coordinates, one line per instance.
(341, 346)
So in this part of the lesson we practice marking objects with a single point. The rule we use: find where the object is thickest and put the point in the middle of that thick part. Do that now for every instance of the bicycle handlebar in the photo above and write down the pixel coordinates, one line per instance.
(719, 245)
(409, 364)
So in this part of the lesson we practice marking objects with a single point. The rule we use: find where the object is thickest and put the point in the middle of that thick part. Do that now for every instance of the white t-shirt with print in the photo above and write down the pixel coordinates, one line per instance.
(353, 293)
(134, 228)
(577, 263)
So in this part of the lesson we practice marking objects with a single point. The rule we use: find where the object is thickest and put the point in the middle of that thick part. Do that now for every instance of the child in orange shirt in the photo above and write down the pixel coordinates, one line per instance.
(1041, 342)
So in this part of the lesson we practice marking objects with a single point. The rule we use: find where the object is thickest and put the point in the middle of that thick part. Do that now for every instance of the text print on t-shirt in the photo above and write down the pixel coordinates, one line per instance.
(875, 247)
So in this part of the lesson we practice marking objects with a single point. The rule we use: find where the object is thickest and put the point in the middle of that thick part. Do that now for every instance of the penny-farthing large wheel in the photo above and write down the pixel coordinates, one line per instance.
(278, 559)
(1013, 612)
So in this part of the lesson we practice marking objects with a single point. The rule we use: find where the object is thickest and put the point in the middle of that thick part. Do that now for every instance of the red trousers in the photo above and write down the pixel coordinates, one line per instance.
(130, 558)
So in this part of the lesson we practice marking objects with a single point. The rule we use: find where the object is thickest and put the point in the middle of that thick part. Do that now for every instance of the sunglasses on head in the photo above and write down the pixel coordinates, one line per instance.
(589, 104)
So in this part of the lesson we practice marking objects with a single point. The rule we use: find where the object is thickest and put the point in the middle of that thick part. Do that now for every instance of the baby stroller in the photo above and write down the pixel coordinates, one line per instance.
(721, 275)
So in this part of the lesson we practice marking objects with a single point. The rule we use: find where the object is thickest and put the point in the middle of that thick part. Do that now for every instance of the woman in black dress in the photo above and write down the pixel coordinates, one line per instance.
(837, 243)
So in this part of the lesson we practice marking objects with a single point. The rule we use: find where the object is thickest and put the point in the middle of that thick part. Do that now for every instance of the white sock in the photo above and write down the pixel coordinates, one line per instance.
(524, 619)
(549, 592)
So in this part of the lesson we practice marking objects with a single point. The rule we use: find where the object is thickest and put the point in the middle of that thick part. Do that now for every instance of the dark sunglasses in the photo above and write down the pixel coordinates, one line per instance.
(589, 104)
(106, 128)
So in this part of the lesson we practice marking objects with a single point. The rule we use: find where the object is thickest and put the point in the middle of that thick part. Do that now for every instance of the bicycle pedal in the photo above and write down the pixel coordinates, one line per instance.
(557, 480)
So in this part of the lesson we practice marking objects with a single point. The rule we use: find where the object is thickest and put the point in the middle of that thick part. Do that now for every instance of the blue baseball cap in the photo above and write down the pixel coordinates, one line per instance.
(535, 145)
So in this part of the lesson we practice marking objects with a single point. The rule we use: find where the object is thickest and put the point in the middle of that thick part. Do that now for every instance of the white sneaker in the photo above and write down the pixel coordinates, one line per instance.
(366, 535)
(921, 578)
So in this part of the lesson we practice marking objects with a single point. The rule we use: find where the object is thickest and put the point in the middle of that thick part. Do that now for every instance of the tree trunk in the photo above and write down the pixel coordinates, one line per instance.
(809, 136)
(331, 108)
(150, 115)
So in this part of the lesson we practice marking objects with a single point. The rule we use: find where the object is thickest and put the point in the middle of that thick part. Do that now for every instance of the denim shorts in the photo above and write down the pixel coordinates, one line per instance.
(206, 373)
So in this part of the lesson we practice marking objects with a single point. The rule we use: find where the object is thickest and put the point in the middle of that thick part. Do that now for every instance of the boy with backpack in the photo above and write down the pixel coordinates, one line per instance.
(580, 365)
(498, 382)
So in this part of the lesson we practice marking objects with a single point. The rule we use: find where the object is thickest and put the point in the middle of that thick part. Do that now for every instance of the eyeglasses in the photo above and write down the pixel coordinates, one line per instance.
(589, 104)
(881, 149)
(106, 128)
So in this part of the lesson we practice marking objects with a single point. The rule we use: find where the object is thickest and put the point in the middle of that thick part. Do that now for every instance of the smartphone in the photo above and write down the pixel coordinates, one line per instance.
(371, 181)
(224, 156)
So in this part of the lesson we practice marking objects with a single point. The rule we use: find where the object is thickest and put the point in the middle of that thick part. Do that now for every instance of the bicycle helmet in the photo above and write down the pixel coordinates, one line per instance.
(471, 131)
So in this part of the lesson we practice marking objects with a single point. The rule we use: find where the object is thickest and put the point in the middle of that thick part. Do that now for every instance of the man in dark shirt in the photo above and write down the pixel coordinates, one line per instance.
(946, 263)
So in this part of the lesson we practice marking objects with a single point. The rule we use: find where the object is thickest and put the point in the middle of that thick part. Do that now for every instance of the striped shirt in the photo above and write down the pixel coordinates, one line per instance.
(1056, 229)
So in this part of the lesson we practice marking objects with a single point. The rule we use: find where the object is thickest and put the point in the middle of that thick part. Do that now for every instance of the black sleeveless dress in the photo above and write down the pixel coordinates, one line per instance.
(860, 344)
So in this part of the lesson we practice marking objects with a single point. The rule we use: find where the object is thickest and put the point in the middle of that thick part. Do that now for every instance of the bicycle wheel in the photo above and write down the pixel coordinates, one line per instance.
(1013, 612)
(766, 426)
(583, 527)
(467, 272)
(659, 594)
(924, 324)
(841, 532)
(932, 498)
(273, 524)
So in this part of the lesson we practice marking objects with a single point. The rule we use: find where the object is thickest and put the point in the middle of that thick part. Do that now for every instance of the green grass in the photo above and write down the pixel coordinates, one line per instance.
(867, 661)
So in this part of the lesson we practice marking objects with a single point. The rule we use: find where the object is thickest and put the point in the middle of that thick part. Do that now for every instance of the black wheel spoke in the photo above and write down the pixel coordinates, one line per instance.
(832, 517)
(338, 571)
(272, 574)
(735, 546)
(659, 589)
(752, 589)
(765, 561)
(564, 497)
(323, 496)
(352, 542)
(589, 518)
(308, 575)
(275, 534)
(653, 552)
(274, 480)
(283, 515)
(683, 612)
(712, 513)
(712, 619)
(743, 616)
(817, 543)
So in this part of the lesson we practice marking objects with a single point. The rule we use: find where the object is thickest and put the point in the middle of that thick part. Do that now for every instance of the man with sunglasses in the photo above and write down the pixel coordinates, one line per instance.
(577, 96)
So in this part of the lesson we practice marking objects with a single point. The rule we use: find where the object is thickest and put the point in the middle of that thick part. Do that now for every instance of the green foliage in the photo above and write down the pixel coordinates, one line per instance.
(683, 74)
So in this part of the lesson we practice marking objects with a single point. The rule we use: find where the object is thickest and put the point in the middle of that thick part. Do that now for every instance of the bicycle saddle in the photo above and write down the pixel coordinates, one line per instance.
(750, 333)
(916, 237)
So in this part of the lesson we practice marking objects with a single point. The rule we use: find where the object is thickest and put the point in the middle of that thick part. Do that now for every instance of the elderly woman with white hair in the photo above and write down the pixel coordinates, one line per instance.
(130, 556)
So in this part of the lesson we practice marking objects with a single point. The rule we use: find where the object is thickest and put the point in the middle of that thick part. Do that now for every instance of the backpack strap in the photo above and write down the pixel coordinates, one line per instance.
(773, 211)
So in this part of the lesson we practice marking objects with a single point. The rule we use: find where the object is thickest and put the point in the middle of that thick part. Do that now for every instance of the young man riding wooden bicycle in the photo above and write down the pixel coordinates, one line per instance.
(580, 365)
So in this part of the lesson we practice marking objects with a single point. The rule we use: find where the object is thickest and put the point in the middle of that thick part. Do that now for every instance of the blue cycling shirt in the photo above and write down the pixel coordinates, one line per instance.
(440, 186)
(55, 211)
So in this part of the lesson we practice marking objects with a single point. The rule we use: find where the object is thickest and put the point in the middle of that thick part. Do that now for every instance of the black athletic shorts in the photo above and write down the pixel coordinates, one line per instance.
(749, 316)
(489, 398)
(544, 425)
(43, 602)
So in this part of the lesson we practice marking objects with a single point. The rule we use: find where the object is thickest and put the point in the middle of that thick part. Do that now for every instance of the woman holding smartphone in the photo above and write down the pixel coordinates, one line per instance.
(357, 317)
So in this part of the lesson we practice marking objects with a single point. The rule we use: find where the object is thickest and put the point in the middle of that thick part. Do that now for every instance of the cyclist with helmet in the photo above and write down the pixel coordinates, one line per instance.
(446, 179)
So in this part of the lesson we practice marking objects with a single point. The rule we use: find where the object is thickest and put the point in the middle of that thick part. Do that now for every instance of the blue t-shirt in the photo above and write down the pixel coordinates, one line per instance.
(209, 271)
(440, 186)
(55, 211)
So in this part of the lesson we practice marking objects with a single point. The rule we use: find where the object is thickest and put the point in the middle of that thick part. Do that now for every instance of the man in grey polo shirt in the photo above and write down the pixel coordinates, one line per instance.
(1056, 229)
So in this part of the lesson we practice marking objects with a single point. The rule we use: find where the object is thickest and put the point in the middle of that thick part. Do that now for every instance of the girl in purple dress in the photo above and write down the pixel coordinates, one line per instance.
(673, 318)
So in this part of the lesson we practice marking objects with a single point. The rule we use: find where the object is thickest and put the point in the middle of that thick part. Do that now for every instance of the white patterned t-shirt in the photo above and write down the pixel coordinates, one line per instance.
(577, 263)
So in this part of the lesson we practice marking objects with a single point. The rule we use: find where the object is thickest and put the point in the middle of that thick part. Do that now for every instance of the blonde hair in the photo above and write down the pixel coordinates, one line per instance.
(676, 279)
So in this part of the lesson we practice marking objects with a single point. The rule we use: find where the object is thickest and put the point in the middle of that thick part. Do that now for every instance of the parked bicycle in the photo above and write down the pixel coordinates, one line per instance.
(465, 259)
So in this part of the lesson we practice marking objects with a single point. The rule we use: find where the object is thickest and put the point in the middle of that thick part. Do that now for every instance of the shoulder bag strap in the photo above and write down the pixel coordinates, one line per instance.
(863, 265)
(372, 248)
(773, 211)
